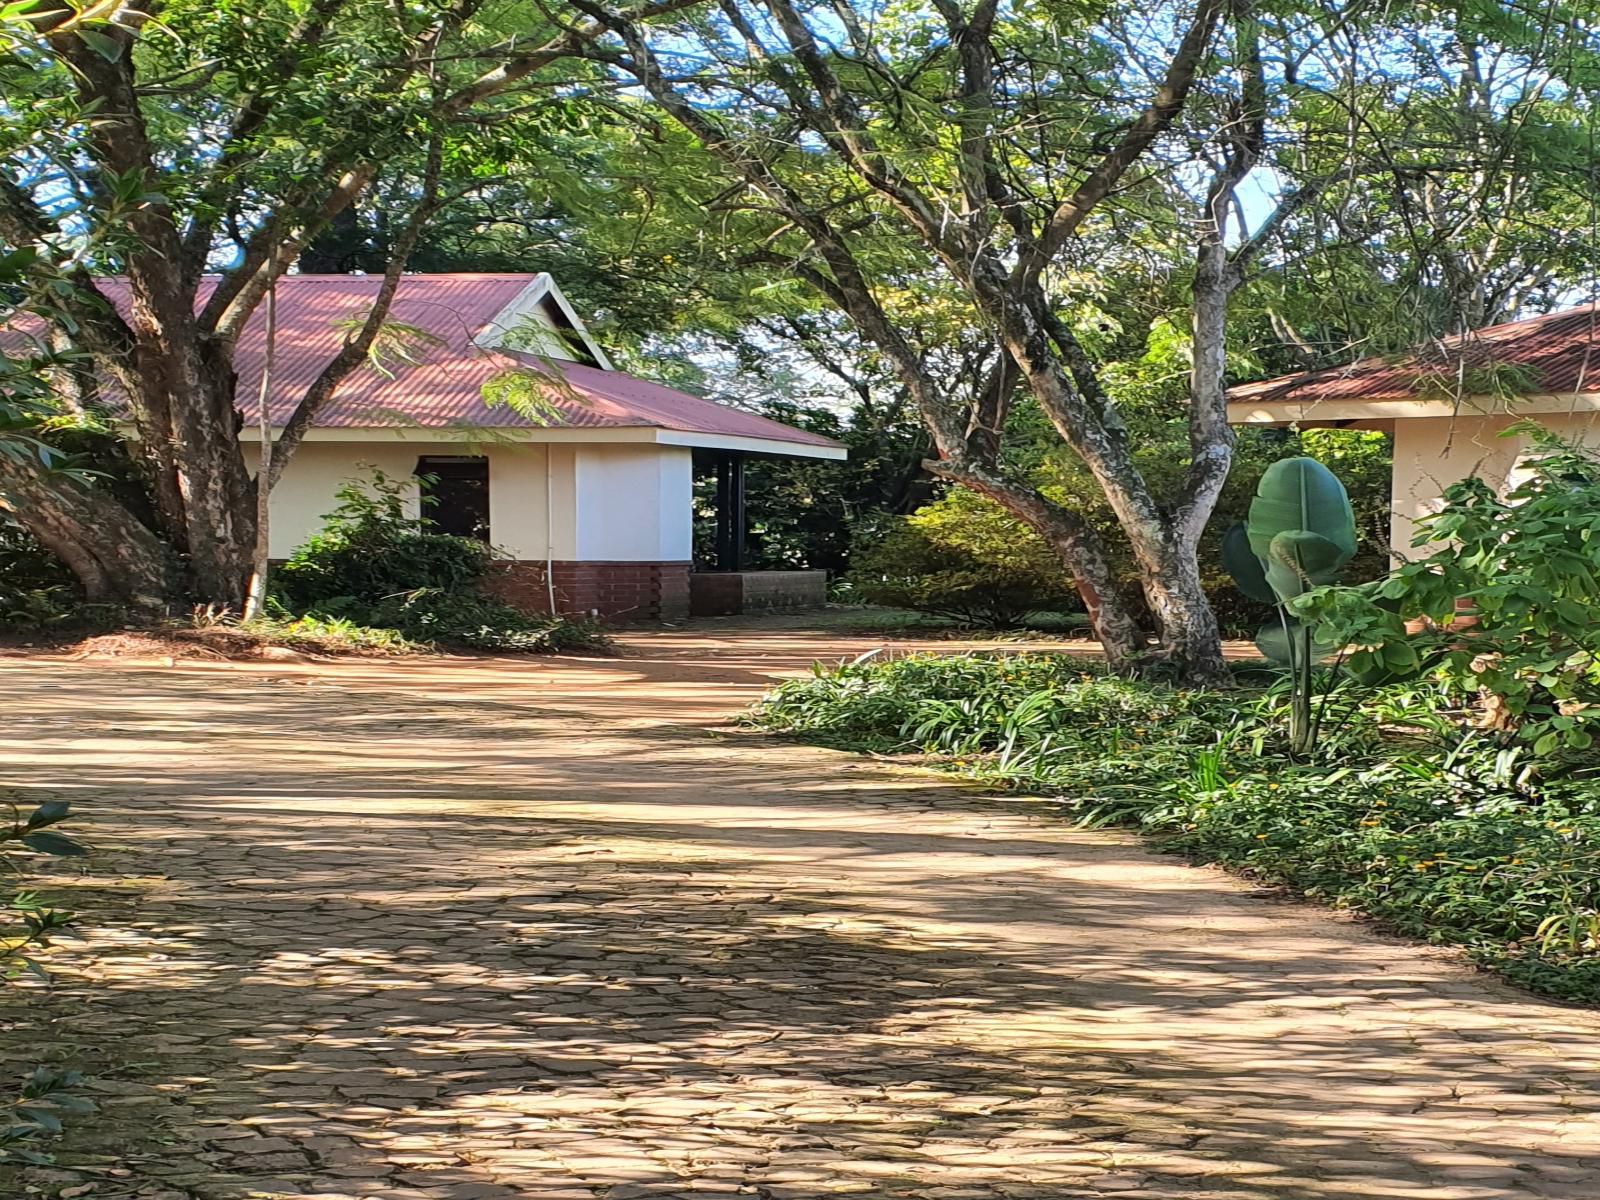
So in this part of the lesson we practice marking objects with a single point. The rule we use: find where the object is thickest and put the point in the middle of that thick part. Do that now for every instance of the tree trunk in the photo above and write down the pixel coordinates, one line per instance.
(1190, 642)
(205, 498)
(1115, 627)
(115, 557)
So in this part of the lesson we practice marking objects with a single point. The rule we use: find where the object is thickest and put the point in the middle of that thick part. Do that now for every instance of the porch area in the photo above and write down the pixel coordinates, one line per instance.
(722, 583)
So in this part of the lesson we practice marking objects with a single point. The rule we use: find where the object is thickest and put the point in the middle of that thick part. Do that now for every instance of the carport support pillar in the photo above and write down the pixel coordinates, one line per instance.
(730, 512)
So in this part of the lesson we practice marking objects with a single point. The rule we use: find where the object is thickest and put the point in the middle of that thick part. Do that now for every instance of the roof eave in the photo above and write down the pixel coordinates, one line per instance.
(570, 434)
(1399, 408)
(779, 447)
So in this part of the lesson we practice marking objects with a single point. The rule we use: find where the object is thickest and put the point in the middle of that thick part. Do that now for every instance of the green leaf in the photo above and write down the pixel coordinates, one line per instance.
(1300, 559)
(1368, 669)
(44, 1119)
(1273, 642)
(105, 46)
(1301, 494)
(1248, 571)
(12, 265)
(1400, 656)
(48, 814)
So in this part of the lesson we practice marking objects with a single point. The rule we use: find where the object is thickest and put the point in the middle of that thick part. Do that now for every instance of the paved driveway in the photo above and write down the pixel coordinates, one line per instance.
(482, 930)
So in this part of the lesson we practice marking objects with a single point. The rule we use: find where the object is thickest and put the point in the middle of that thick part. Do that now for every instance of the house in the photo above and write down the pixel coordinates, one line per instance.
(1448, 404)
(587, 502)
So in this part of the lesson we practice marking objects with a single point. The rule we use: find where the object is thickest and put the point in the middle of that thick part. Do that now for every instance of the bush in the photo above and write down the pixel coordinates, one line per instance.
(369, 550)
(1525, 567)
(374, 566)
(37, 592)
(1409, 817)
(965, 558)
(33, 1113)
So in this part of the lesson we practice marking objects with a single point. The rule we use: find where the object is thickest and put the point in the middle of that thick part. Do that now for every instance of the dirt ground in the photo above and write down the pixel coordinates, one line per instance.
(473, 930)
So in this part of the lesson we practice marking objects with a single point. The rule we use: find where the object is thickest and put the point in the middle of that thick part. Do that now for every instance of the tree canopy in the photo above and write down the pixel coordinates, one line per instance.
(1051, 230)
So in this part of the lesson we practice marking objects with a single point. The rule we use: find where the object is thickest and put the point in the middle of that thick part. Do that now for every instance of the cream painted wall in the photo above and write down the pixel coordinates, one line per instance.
(1431, 453)
(517, 491)
(605, 502)
(634, 503)
(305, 494)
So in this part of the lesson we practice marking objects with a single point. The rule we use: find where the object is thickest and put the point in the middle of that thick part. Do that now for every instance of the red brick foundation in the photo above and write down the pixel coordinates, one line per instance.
(620, 592)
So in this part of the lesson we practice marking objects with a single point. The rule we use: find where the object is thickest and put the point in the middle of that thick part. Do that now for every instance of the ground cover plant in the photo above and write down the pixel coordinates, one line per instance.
(33, 1110)
(1407, 813)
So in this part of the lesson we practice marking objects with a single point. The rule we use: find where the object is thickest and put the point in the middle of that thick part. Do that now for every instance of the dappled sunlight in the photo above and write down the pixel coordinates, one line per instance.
(488, 929)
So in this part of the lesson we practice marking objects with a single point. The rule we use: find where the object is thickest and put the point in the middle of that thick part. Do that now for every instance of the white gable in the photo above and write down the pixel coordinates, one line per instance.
(541, 321)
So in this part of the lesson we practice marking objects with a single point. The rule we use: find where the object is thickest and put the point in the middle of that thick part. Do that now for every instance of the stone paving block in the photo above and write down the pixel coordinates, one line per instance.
(501, 929)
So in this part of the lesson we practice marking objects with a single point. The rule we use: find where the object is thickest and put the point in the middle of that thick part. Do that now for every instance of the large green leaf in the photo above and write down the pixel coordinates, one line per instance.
(46, 842)
(1273, 642)
(1249, 574)
(1300, 493)
(1299, 560)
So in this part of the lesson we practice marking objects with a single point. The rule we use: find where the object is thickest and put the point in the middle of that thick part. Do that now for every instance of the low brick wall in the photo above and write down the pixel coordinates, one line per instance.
(619, 592)
(726, 593)
(716, 593)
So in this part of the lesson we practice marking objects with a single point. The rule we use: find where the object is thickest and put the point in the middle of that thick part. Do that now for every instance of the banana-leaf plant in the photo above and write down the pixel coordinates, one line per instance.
(1300, 532)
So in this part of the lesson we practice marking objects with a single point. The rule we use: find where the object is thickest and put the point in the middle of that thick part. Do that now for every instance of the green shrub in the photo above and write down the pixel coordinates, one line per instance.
(33, 1113)
(369, 550)
(1434, 827)
(33, 923)
(1527, 565)
(964, 558)
(375, 567)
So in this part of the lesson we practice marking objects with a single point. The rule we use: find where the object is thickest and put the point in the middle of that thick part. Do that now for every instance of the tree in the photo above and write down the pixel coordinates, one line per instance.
(1002, 155)
(165, 146)
(1478, 126)
(973, 149)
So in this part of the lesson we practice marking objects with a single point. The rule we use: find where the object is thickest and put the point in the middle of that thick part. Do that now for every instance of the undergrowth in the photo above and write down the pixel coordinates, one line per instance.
(374, 566)
(1442, 831)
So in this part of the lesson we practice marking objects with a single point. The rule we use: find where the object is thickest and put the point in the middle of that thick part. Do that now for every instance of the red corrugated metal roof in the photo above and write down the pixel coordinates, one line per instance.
(443, 388)
(1559, 352)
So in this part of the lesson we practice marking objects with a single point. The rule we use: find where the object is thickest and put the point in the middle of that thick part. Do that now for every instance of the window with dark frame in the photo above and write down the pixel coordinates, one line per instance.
(455, 491)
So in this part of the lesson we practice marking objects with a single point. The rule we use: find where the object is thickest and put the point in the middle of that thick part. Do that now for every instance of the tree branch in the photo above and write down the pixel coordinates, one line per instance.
(1156, 118)
(253, 111)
